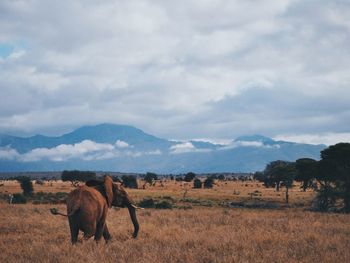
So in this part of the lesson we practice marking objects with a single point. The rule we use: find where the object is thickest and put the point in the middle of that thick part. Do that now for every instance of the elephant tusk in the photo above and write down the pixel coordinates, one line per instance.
(136, 207)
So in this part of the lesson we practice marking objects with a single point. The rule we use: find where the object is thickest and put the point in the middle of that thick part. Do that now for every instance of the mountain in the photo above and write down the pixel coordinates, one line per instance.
(111, 147)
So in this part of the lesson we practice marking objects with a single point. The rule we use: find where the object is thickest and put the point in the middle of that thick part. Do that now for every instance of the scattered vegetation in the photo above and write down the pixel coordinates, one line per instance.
(76, 176)
(197, 183)
(26, 185)
(129, 181)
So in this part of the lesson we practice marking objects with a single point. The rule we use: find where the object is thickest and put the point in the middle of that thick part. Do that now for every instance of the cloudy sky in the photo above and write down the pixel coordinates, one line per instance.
(177, 69)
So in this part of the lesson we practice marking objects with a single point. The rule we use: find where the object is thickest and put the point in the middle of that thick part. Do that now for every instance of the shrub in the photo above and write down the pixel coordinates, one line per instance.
(164, 204)
(19, 198)
(147, 203)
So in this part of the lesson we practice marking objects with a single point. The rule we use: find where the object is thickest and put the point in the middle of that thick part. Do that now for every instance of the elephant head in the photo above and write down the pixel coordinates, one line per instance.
(116, 195)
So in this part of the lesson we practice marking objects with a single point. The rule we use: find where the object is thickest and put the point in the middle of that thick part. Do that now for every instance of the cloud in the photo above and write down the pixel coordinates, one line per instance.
(271, 67)
(121, 144)
(86, 150)
(185, 147)
(257, 144)
(325, 138)
(8, 154)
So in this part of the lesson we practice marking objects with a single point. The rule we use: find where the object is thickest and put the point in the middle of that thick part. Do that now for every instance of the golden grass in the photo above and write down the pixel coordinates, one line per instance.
(29, 233)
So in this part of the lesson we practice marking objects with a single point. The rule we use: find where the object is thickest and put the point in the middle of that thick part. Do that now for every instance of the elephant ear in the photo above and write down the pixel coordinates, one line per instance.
(94, 182)
(108, 184)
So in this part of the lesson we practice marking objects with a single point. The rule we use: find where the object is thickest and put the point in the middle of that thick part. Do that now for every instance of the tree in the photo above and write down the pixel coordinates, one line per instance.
(334, 171)
(130, 181)
(26, 185)
(306, 169)
(197, 183)
(150, 178)
(209, 182)
(75, 175)
(281, 172)
(221, 177)
(189, 177)
(259, 176)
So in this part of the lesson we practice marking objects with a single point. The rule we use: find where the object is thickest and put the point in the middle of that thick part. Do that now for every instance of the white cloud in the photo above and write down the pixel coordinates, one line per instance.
(257, 144)
(85, 150)
(121, 144)
(7, 153)
(182, 148)
(325, 138)
(185, 147)
(63, 152)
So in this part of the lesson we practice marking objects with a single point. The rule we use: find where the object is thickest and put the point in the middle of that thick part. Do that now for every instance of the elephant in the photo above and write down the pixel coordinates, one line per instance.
(87, 208)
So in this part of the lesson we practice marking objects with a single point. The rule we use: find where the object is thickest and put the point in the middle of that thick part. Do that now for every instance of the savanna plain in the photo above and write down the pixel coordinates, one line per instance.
(203, 226)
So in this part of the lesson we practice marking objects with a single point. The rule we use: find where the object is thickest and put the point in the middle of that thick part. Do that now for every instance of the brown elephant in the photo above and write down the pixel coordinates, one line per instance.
(87, 208)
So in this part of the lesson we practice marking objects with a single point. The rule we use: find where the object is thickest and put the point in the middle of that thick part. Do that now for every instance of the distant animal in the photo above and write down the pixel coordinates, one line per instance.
(1, 184)
(87, 208)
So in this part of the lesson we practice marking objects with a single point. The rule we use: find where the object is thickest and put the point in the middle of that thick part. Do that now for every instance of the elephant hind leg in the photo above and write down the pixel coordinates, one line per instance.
(74, 230)
(99, 230)
(106, 234)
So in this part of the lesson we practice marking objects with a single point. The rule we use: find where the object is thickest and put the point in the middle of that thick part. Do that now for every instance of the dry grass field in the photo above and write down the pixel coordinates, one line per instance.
(29, 233)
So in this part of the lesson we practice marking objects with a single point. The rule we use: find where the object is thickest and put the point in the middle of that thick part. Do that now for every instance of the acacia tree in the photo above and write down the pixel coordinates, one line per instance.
(281, 172)
(26, 185)
(334, 172)
(306, 169)
(150, 178)
(189, 177)
(75, 175)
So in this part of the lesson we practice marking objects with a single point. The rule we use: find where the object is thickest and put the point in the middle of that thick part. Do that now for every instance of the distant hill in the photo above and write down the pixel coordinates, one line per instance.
(125, 148)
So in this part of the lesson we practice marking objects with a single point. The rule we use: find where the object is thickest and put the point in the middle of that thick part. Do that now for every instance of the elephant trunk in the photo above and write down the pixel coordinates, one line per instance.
(132, 212)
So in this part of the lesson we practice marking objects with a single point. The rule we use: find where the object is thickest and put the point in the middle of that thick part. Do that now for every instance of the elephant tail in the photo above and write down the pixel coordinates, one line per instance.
(55, 212)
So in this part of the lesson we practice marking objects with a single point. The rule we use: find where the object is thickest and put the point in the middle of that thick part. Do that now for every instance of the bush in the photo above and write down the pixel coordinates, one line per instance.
(147, 203)
(19, 199)
(197, 183)
(165, 204)
(160, 204)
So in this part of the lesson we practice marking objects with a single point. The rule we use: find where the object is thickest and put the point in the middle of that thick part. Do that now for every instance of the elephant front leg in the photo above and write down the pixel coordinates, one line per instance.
(106, 234)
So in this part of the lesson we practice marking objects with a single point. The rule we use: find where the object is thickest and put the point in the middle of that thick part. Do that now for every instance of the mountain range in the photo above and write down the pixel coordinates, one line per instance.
(122, 148)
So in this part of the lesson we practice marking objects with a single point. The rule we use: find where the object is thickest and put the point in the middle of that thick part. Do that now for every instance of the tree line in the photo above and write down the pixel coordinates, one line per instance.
(330, 176)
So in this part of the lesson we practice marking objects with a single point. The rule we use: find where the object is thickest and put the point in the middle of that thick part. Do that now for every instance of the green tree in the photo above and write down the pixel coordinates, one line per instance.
(306, 169)
(130, 181)
(209, 182)
(189, 177)
(150, 178)
(334, 171)
(26, 185)
(281, 172)
(197, 183)
(259, 176)
(75, 175)
(221, 177)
